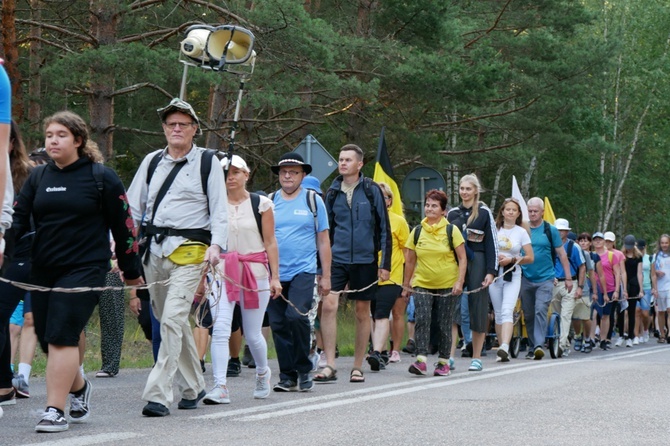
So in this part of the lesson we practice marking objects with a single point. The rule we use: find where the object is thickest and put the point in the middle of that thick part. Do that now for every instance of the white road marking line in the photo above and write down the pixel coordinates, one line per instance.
(399, 388)
(85, 440)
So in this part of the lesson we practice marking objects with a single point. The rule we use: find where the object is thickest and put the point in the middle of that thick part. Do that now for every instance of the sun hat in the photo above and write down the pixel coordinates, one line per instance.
(562, 224)
(291, 159)
(179, 105)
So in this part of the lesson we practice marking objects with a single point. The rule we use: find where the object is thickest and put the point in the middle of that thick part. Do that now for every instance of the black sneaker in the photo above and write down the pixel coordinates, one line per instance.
(305, 382)
(385, 358)
(375, 361)
(410, 347)
(155, 410)
(191, 404)
(246, 357)
(530, 355)
(603, 345)
(80, 408)
(52, 421)
(234, 367)
(8, 399)
(286, 385)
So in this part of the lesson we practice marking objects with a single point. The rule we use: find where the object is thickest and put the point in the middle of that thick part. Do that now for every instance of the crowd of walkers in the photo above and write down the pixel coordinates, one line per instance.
(285, 262)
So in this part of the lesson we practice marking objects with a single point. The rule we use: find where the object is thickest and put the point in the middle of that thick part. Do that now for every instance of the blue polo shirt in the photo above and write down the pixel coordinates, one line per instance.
(542, 269)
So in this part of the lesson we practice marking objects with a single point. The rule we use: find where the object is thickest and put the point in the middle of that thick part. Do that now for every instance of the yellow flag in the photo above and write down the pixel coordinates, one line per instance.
(384, 174)
(549, 216)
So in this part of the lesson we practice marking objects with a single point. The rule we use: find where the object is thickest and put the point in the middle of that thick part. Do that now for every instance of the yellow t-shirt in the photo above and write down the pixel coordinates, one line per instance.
(399, 235)
(436, 266)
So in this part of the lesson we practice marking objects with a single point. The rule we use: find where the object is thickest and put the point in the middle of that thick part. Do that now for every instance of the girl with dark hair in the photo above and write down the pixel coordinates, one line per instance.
(74, 202)
(435, 266)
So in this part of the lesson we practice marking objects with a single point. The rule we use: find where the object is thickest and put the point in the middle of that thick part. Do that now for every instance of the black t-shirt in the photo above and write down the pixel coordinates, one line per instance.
(631, 264)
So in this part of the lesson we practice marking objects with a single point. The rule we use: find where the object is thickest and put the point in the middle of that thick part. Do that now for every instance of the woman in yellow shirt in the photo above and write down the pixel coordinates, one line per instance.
(435, 264)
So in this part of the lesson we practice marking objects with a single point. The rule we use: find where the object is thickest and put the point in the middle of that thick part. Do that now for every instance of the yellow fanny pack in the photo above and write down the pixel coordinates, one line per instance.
(189, 253)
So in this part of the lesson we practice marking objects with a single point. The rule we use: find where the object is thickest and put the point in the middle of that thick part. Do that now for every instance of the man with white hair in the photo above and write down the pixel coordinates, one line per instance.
(564, 301)
(537, 283)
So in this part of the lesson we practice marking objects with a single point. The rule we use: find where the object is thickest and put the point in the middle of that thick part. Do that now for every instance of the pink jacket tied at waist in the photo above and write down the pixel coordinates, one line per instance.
(248, 280)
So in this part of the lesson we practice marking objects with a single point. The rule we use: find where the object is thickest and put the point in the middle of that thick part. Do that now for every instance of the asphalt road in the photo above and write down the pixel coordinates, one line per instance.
(618, 397)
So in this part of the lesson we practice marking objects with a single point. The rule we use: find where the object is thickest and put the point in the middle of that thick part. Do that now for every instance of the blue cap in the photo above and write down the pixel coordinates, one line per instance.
(572, 236)
(310, 182)
(598, 234)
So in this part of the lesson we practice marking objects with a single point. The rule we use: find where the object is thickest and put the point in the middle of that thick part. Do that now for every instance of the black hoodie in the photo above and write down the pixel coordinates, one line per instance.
(73, 217)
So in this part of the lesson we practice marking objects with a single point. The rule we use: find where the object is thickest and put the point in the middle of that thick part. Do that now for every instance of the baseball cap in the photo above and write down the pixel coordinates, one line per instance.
(562, 224)
(236, 161)
(610, 237)
(178, 105)
(629, 241)
(597, 235)
(641, 243)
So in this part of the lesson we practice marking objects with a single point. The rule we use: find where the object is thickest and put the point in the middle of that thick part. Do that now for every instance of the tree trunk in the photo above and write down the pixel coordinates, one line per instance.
(104, 21)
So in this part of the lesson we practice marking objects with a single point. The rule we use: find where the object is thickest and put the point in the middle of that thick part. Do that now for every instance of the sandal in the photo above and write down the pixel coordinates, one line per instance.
(475, 366)
(103, 374)
(356, 376)
(327, 374)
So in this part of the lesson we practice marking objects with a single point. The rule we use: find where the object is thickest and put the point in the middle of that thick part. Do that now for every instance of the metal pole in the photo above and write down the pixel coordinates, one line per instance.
(308, 155)
(182, 89)
(233, 129)
(423, 196)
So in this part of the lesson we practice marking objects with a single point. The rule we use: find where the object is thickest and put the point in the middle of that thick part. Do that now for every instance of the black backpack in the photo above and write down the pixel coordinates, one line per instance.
(205, 166)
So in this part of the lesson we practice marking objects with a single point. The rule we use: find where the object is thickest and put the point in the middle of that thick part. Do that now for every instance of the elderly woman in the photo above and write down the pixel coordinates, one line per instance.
(435, 265)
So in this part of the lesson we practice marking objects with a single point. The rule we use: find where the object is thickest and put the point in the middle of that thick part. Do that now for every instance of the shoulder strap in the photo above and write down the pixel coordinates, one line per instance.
(417, 233)
(568, 252)
(165, 186)
(547, 232)
(610, 256)
(206, 167)
(255, 203)
(153, 164)
(311, 203)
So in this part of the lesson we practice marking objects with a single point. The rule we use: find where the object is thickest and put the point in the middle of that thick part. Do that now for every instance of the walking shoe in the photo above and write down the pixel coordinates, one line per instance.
(566, 352)
(9, 398)
(52, 421)
(395, 356)
(305, 383)
(323, 361)
(246, 357)
(218, 395)
(587, 347)
(262, 389)
(155, 410)
(185, 404)
(286, 385)
(645, 336)
(452, 364)
(629, 343)
(538, 353)
(608, 345)
(410, 347)
(636, 340)
(578, 344)
(619, 342)
(441, 369)
(375, 361)
(385, 358)
(475, 366)
(503, 354)
(80, 405)
(21, 386)
(234, 367)
(418, 368)
(252, 364)
(530, 355)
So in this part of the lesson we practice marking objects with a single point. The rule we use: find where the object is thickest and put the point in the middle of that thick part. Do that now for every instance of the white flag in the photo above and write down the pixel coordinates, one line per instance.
(516, 193)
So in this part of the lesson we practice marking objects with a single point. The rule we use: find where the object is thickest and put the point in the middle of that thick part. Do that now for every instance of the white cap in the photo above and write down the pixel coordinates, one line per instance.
(237, 161)
(562, 224)
(609, 236)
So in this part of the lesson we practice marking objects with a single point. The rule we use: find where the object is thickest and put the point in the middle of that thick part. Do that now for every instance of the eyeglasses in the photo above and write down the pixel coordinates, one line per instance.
(183, 125)
(291, 173)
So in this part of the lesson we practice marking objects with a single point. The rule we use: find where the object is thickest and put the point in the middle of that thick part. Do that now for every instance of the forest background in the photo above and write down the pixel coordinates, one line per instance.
(569, 96)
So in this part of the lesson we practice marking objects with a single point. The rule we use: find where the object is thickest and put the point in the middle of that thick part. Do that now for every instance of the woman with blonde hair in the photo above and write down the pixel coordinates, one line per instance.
(476, 222)
(74, 201)
(388, 299)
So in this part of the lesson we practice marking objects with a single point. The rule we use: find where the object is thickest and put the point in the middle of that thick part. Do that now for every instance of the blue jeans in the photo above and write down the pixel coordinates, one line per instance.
(535, 300)
(465, 319)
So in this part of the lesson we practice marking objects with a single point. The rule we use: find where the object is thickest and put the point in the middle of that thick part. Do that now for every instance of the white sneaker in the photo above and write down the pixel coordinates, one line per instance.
(619, 342)
(218, 395)
(322, 360)
(645, 337)
(636, 341)
(262, 389)
(629, 343)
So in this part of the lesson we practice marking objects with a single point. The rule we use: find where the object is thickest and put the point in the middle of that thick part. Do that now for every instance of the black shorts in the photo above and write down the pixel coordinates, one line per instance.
(203, 315)
(384, 301)
(357, 276)
(61, 317)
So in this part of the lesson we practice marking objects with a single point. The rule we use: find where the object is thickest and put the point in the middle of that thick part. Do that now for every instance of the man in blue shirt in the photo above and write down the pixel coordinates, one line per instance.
(537, 283)
(564, 301)
(300, 234)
